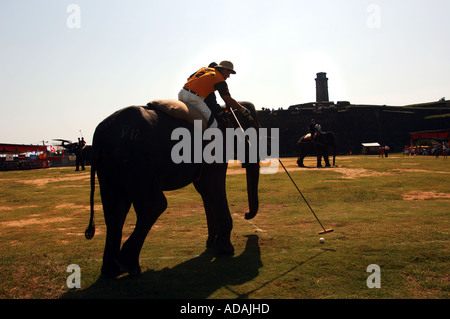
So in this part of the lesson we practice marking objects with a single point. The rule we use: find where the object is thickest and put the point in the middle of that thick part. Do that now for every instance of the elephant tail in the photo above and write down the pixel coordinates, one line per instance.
(90, 231)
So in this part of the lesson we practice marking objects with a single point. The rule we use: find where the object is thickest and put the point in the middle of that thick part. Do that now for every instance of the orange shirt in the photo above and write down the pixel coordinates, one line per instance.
(205, 81)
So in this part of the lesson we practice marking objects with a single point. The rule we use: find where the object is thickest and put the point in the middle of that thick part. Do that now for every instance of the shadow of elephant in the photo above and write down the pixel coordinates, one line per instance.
(196, 278)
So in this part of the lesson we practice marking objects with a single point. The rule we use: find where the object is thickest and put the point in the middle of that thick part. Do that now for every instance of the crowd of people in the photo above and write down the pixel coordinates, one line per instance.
(383, 151)
(438, 149)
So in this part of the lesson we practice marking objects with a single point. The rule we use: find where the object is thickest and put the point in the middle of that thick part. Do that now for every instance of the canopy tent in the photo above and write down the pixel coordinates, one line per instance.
(439, 134)
(436, 135)
(368, 148)
(20, 149)
(9, 162)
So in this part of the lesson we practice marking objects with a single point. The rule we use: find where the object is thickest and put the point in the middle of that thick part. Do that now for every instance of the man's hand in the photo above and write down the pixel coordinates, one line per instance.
(230, 102)
(245, 111)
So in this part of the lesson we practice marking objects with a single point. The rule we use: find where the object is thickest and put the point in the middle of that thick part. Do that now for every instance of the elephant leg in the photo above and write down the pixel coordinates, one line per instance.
(318, 151)
(300, 161)
(149, 205)
(326, 159)
(223, 225)
(212, 231)
(220, 224)
(115, 207)
(319, 160)
(301, 154)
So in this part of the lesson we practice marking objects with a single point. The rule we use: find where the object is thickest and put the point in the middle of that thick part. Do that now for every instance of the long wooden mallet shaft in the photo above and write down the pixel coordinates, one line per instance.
(312, 211)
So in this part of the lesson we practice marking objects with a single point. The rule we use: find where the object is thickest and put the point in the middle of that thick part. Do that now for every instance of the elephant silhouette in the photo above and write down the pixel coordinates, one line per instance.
(132, 157)
(319, 146)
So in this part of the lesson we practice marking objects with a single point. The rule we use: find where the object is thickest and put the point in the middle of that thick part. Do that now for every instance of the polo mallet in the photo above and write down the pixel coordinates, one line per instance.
(325, 231)
(239, 124)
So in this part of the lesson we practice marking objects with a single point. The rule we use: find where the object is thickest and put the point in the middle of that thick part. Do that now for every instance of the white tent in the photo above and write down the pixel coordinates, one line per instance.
(368, 148)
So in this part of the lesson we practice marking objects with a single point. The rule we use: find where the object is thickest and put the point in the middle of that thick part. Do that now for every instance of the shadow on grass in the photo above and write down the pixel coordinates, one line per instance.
(248, 293)
(196, 278)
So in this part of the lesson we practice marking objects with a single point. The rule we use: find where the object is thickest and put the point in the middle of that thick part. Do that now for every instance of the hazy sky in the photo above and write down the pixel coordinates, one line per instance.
(66, 65)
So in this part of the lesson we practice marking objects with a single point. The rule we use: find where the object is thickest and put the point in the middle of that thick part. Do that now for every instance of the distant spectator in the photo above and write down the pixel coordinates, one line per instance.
(79, 155)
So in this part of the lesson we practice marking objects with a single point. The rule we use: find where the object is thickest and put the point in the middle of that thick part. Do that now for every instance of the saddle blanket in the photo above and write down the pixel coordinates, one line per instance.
(179, 110)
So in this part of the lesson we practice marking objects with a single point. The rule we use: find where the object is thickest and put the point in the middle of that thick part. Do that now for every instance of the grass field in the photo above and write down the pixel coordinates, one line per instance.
(392, 212)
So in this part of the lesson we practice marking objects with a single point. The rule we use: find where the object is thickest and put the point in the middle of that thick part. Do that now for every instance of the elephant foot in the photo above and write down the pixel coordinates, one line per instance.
(131, 268)
(210, 242)
(223, 248)
(111, 270)
(319, 166)
(328, 165)
(300, 163)
(219, 246)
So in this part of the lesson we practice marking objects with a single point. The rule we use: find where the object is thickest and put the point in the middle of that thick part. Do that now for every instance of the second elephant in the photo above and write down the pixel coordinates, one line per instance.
(318, 146)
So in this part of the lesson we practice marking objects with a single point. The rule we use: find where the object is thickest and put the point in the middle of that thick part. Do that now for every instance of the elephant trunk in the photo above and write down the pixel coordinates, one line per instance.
(252, 171)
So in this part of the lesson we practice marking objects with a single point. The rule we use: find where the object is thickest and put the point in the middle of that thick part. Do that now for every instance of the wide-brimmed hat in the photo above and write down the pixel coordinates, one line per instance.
(226, 65)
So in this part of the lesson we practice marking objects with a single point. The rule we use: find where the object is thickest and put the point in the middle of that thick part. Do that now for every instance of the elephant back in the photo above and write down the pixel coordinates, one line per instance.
(179, 110)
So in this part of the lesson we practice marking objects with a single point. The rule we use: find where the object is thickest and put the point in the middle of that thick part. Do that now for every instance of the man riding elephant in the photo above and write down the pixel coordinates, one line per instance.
(203, 83)
(317, 144)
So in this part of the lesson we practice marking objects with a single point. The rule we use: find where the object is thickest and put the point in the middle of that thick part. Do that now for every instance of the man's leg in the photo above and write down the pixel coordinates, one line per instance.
(193, 101)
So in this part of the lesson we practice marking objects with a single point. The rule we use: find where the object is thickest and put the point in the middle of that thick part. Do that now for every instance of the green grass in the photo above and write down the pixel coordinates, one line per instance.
(393, 212)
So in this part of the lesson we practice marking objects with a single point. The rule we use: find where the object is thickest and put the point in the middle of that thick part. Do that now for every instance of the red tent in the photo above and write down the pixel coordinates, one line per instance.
(20, 149)
(429, 135)
(439, 134)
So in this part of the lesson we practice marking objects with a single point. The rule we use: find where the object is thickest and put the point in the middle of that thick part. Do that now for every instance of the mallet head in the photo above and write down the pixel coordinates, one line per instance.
(326, 231)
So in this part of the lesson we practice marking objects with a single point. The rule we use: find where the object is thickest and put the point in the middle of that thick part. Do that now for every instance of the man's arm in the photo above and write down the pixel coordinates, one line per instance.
(234, 104)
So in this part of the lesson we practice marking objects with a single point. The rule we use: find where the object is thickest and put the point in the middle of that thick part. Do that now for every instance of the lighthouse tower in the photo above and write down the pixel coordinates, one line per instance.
(322, 87)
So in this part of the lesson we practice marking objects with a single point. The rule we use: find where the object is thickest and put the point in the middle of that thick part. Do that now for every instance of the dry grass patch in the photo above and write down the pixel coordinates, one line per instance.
(34, 221)
(420, 195)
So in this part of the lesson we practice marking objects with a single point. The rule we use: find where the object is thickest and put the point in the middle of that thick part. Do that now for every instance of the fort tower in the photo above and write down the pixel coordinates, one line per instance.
(322, 87)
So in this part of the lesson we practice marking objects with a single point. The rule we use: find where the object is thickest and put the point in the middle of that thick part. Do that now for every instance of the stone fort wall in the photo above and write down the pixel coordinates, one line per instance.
(356, 124)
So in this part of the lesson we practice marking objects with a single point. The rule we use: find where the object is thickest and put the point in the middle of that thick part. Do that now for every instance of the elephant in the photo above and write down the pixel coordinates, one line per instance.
(318, 146)
(132, 159)
(70, 147)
